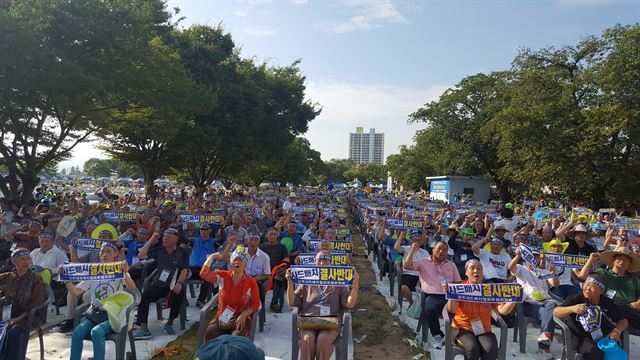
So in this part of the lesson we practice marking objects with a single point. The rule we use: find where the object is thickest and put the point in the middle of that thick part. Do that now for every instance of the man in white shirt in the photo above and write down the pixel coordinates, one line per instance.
(495, 262)
(48, 256)
(258, 264)
(289, 203)
(508, 222)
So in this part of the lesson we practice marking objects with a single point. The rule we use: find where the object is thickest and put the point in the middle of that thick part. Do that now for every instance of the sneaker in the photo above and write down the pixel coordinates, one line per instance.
(544, 341)
(200, 304)
(273, 307)
(141, 335)
(438, 342)
(545, 337)
(278, 309)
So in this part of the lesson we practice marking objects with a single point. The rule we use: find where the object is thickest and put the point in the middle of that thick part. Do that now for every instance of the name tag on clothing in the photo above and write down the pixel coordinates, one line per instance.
(164, 275)
(477, 327)
(226, 315)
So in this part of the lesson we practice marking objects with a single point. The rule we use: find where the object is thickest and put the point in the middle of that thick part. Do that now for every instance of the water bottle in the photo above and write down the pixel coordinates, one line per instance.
(611, 349)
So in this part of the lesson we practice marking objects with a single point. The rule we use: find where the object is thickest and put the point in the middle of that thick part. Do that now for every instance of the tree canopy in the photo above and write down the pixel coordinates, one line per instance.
(565, 120)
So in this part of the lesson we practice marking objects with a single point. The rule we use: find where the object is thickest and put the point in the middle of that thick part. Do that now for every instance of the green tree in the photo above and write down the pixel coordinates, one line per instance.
(146, 133)
(410, 167)
(335, 169)
(374, 173)
(256, 112)
(461, 135)
(572, 123)
(97, 168)
(64, 66)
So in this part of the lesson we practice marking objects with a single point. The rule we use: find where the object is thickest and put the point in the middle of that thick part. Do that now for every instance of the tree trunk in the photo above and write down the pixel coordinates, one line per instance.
(503, 192)
(149, 178)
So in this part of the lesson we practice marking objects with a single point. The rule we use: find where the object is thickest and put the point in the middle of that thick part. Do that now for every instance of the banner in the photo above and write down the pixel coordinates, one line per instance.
(91, 271)
(566, 260)
(337, 246)
(630, 223)
(322, 275)
(202, 219)
(336, 259)
(485, 293)
(120, 216)
(403, 224)
(343, 232)
(527, 255)
(91, 245)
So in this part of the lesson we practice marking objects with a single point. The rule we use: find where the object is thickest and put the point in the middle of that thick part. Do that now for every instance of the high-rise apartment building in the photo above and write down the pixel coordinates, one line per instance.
(366, 148)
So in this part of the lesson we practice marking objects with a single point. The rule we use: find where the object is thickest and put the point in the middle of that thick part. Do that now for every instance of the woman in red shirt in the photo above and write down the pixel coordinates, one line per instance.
(472, 321)
(238, 297)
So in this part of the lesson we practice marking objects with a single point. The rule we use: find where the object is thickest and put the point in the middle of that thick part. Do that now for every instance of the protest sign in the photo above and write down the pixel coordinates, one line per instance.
(343, 232)
(92, 245)
(630, 223)
(527, 255)
(322, 275)
(91, 271)
(337, 246)
(336, 259)
(485, 293)
(120, 216)
(202, 219)
(566, 260)
(403, 224)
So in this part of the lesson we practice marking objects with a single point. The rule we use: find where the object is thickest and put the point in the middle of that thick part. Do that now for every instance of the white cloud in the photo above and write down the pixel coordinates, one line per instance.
(299, 2)
(346, 106)
(260, 32)
(370, 15)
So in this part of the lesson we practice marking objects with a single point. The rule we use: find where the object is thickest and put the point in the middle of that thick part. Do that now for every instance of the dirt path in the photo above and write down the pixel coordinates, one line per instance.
(384, 332)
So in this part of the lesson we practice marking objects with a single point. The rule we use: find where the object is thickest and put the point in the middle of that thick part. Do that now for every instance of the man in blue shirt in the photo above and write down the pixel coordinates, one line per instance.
(203, 246)
(291, 236)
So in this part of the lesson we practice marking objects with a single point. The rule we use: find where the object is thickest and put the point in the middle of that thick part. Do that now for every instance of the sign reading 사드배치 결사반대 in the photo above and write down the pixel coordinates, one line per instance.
(404, 224)
(566, 260)
(485, 292)
(336, 259)
(322, 275)
(120, 216)
(90, 245)
(337, 246)
(202, 218)
(91, 271)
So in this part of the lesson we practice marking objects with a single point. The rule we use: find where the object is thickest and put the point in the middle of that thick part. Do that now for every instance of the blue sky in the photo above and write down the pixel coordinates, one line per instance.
(371, 63)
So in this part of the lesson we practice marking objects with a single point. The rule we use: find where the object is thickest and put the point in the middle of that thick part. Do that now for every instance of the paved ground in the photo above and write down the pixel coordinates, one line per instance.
(275, 340)
(512, 347)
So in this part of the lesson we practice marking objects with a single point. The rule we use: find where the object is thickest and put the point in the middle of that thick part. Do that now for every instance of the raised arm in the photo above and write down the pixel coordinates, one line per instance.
(513, 264)
(586, 269)
(398, 245)
(353, 295)
(408, 261)
(144, 251)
